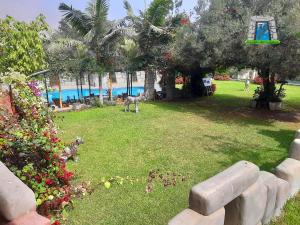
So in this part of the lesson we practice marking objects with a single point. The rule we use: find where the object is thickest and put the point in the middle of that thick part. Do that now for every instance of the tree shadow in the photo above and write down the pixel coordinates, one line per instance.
(282, 136)
(231, 151)
(229, 108)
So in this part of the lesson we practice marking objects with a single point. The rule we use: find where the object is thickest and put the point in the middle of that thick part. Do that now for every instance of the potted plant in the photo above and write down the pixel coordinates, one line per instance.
(256, 97)
(275, 102)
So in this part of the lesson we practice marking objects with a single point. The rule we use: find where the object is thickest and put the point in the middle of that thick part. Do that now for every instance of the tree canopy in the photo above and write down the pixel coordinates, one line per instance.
(21, 46)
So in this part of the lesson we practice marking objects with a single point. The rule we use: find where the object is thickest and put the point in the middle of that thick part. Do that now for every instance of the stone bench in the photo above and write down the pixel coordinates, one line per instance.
(17, 201)
(289, 170)
(190, 217)
(294, 152)
(216, 192)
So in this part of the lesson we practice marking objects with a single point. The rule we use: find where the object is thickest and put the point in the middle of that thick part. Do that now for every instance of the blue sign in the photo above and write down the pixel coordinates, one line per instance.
(262, 31)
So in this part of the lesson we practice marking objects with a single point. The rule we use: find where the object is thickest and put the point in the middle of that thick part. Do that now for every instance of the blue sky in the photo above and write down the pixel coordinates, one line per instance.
(27, 10)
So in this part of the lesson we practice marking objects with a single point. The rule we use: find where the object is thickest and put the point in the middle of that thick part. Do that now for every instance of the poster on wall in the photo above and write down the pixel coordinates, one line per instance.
(207, 82)
(262, 30)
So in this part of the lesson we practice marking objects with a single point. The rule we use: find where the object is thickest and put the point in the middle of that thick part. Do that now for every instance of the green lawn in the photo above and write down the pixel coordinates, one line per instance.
(197, 139)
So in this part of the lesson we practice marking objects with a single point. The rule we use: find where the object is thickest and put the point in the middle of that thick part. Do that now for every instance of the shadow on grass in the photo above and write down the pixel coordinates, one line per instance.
(233, 150)
(283, 137)
(229, 108)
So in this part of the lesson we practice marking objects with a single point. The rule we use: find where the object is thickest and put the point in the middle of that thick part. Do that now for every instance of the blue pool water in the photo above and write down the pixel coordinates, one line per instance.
(72, 93)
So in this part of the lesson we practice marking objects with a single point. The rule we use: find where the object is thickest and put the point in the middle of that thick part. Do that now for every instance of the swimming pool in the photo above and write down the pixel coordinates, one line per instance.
(73, 94)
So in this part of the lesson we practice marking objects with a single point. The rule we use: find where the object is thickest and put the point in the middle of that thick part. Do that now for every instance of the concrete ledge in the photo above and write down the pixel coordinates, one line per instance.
(216, 192)
(30, 219)
(282, 196)
(190, 217)
(16, 199)
(289, 170)
(248, 208)
(294, 152)
(269, 180)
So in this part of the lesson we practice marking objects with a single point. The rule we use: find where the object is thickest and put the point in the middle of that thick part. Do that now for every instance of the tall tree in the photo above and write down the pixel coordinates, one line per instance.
(151, 31)
(224, 25)
(96, 30)
(21, 46)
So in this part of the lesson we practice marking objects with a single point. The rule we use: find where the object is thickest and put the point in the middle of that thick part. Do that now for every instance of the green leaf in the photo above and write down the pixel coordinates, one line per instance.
(107, 185)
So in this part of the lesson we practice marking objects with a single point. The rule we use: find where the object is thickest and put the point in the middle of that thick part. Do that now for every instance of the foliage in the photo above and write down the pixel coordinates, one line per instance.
(30, 147)
(94, 27)
(258, 80)
(179, 80)
(224, 26)
(277, 95)
(222, 77)
(21, 46)
(154, 30)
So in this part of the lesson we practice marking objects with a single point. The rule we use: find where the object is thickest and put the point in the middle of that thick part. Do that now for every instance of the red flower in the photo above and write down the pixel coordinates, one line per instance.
(55, 140)
(66, 198)
(38, 178)
(49, 181)
(56, 222)
(184, 21)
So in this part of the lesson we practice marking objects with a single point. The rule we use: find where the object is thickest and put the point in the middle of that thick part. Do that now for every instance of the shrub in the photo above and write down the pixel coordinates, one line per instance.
(30, 146)
(179, 80)
(258, 80)
(222, 77)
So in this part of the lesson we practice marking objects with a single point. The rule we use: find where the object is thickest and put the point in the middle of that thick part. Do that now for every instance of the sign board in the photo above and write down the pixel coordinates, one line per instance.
(207, 82)
(262, 30)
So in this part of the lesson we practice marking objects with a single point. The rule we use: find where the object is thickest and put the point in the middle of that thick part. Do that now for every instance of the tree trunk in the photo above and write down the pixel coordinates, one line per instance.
(110, 86)
(77, 86)
(150, 77)
(89, 82)
(100, 89)
(170, 85)
(60, 93)
(81, 91)
(46, 88)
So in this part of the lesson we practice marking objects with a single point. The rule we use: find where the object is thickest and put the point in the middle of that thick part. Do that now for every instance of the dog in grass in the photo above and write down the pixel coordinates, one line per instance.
(134, 100)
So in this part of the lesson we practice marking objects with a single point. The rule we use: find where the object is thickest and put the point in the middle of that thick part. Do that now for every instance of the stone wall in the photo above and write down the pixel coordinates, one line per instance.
(17, 201)
(243, 195)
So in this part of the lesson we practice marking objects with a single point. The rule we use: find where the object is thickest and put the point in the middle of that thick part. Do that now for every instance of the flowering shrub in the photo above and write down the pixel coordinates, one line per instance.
(258, 80)
(30, 146)
(179, 80)
(184, 21)
(221, 77)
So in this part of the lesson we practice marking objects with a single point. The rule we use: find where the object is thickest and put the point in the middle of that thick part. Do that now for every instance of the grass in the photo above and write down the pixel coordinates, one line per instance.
(196, 138)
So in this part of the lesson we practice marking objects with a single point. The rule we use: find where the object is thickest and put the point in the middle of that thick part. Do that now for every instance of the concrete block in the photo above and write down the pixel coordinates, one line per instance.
(295, 149)
(190, 217)
(16, 199)
(30, 219)
(283, 193)
(289, 170)
(216, 192)
(270, 182)
(248, 208)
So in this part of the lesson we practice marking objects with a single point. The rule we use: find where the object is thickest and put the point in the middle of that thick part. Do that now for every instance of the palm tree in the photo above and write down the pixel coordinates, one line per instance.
(63, 54)
(96, 30)
(129, 50)
(151, 30)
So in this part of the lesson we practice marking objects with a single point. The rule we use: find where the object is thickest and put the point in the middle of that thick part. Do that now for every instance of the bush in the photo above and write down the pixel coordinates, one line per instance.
(30, 147)
(222, 77)
(179, 80)
(258, 80)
